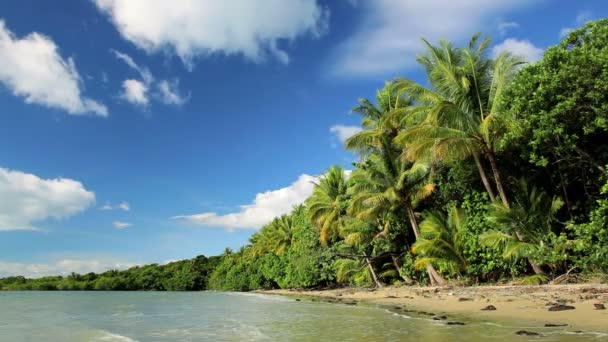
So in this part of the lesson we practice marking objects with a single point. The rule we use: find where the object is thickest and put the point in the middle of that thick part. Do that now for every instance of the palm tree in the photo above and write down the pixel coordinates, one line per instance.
(327, 204)
(383, 184)
(385, 170)
(522, 228)
(274, 237)
(441, 241)
(358, 235)
(462, 109)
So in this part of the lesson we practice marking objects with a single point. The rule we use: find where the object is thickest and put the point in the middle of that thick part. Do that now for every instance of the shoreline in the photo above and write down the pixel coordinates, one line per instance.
(526, 306)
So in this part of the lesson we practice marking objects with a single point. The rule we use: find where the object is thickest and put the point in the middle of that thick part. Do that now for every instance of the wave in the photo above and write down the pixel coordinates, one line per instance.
(275, 298)
(106, 336)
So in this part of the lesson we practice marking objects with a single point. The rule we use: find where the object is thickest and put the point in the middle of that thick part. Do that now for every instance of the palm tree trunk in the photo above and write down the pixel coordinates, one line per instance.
(435, 278)
(372, 272)
(497, 179)
(405, 278)
(484, 177)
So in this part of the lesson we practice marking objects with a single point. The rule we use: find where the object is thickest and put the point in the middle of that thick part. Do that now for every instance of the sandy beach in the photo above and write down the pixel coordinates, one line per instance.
(523, 306)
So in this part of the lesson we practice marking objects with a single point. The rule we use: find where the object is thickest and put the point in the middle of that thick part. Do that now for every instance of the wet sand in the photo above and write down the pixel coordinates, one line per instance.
(526, 306)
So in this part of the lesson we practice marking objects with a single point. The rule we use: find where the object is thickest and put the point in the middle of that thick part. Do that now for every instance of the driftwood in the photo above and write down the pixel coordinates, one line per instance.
(564, 277)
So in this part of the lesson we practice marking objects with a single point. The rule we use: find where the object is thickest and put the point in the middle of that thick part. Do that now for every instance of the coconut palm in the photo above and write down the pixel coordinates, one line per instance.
(522, 228)
(378, 130)
(462, 109)
(386, 182)
(358, 235)
(327, 204)
(274, 237)
(440, 241)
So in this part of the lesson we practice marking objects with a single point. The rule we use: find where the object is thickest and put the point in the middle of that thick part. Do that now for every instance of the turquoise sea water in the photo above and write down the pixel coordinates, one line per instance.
(214, 316)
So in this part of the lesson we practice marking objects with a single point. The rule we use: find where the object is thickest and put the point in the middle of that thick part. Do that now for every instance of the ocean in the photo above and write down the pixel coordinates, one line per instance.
(219, 316)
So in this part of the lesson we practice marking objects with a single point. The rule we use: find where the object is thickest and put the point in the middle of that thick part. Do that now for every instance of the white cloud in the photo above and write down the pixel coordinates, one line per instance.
(388, 39)
(26, 198)
(343, 132)
(252, 28)
(61, 267)
(135, 91)
(121, 225)
(266, 206)
(505, 26)
(33, 69)
(145, 74)
(523, 48)
(120, 206)
(169, 93)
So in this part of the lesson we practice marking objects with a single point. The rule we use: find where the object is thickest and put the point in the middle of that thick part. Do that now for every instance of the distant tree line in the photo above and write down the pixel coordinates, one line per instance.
(184, 275)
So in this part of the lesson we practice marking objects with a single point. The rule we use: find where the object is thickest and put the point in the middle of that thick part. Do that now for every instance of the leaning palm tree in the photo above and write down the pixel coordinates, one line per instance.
(462, 109)
(384, 170)
(358, 235)
(441, 241)
(327, 204)
(386, 182)
(522, 229)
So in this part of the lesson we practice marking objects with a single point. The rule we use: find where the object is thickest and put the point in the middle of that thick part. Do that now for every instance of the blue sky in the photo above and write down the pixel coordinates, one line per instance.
(140, 131)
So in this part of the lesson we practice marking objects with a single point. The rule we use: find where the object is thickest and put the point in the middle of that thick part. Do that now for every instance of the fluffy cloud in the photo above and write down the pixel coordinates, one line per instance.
(121, 225)
(523, 48)
(169, 93)
(389, 37)
(252, 28)
(343, 132)
(61, 267)
(33, 69)
(266, 206)
(26, 199)
(120, 206)
(135, 91)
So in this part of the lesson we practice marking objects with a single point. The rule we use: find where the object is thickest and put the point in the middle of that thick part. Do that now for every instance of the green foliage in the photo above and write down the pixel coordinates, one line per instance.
(526, 229)
(592, 237)
(184, 275)
(440, 242)
(559, 107)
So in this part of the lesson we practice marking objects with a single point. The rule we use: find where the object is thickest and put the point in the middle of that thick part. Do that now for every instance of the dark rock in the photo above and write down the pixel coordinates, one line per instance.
(465, 299)
(561, 307)
(552, 325)
(351, 303)
(489, 308)
(455, 323)
(440, 318)
(527, 333)
(298, 299)
(390, 297)
(426, 313)
(599, 306)
(578, 331)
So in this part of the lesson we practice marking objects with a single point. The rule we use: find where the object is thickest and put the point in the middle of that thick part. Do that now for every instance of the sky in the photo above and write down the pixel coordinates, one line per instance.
(145, 131)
